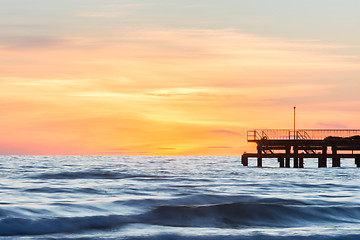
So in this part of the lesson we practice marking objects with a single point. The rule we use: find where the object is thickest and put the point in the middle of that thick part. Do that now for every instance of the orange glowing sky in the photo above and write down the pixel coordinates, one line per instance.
(163, 77)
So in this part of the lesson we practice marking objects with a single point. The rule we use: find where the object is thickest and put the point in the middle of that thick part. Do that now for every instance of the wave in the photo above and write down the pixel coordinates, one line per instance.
(23, 226)
(252, 237)
(187, 199)
(239, 214)
(95, 174)
(244, 214)
(220, 237)
(64, 190)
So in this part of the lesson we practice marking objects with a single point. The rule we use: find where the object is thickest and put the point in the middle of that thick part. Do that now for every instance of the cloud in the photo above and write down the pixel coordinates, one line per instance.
(112, 10)
(226, 132)
(331, 125)
(89, 94)
(43, 83)
(248, 49)
(104, 15)
(13, 149)
(123, 153)
(30, 41)
(221, 147)
(128, 5)
(147, 89)
(181, 92)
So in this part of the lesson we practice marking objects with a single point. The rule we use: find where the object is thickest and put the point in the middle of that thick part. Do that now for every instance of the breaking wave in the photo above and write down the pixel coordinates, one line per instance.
(261, 212)
(266, 213)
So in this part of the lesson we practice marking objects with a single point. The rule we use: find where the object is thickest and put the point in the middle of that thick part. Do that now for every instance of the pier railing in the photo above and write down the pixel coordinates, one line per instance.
(300, 134)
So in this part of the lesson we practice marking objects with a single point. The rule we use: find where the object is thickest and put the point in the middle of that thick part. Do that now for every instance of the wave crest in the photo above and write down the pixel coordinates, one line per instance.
(253, 213)
(268, 213)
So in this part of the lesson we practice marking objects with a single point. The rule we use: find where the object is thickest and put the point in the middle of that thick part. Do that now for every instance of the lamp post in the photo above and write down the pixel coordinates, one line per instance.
(294, 124)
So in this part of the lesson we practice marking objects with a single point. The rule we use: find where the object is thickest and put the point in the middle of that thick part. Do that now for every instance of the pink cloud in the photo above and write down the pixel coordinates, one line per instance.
(226, 132)
(331, 125)
(221, 147)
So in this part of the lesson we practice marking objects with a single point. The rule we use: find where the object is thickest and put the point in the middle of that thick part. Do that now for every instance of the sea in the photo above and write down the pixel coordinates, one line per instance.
(176, 198)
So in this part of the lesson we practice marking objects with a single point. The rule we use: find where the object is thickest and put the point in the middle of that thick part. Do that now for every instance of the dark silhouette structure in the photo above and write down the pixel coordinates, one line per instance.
(286, 144)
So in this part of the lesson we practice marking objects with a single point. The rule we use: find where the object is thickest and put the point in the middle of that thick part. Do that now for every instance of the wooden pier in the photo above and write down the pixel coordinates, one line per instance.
(287, 145)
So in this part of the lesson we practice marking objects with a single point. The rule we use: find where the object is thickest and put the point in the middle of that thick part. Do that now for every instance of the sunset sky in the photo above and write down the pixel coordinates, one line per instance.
(165, 77)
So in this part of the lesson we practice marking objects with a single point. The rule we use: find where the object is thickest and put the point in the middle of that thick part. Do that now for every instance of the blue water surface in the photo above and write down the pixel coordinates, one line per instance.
(187, 198)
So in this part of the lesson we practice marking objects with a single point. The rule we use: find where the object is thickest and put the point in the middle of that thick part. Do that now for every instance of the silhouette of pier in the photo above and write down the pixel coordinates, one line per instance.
(286, 145)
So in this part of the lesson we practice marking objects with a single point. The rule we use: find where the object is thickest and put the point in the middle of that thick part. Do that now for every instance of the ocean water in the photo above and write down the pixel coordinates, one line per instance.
(173, 198)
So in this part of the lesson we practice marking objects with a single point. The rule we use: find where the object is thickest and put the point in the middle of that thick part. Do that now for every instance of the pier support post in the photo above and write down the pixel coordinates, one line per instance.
(335, 160)
(245, 160)
(259, 158)
(287, 159)
(281, 162)
(296, 158)
(322, 160)
(357, 161)
(301, 162)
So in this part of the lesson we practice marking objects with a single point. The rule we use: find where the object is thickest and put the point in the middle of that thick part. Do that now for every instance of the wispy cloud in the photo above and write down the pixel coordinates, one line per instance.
(331, 125)
(100, 15)
(112, 10)
(13, 149)
(221, 147)
(44, 83)
(181, 91)
(127, 5)
(121, 153)
(30, 41)
(221, 131)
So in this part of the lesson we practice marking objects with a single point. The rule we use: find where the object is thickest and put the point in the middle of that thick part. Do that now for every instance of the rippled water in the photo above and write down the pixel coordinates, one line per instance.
(93, 197)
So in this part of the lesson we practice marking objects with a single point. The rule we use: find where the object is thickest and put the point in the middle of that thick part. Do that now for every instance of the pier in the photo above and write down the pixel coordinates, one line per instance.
(286, 145)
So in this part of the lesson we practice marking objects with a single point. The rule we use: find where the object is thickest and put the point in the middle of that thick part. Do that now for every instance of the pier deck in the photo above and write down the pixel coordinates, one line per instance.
(297, 145)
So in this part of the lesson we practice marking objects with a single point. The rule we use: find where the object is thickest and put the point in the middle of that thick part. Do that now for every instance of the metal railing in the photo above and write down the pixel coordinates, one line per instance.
(300, 134)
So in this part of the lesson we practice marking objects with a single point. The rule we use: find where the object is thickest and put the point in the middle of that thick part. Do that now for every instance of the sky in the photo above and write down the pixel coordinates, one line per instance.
(170, 77)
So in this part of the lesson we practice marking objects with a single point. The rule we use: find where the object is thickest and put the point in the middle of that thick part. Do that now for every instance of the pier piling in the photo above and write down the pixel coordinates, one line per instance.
(322, 162)
(301, 162)
(296, 158)
(245, 161)
(281, 162)
(287, 159)
(335, 160)
(357, 161)
(259, 158)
